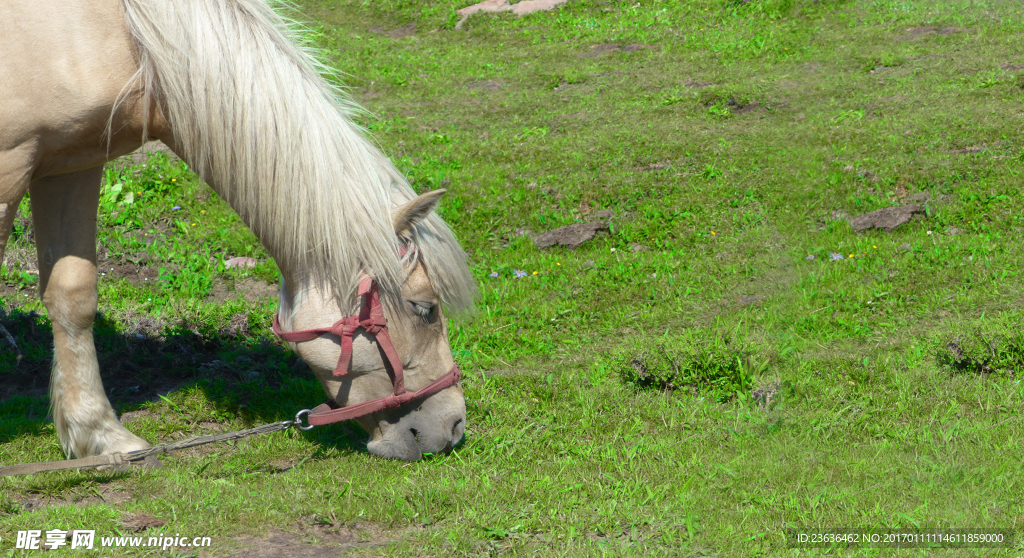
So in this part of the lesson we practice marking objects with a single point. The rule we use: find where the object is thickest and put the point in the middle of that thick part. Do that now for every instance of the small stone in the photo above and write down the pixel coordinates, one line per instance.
(905, 247)
(240, 262)
(952, 231)
(570, 236)
(638, 248)
(886, 219)
(920, 197)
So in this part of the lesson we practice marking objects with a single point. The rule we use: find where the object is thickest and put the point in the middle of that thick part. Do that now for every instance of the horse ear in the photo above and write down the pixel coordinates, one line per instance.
(405, 216)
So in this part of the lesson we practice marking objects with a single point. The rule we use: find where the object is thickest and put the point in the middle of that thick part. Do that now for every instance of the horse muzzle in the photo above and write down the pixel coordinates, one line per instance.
(433, 426)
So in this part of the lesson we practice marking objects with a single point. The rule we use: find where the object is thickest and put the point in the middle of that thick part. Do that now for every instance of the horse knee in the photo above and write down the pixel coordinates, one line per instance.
(70, 294)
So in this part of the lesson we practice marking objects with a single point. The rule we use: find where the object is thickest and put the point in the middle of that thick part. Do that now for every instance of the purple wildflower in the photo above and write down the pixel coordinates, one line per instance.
(494, 274)
(175, 208)
(836, 256)
(520, 273)
(811, 257)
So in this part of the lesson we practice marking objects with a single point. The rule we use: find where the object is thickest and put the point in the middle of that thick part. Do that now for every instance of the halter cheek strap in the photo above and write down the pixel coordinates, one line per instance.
(371, 319)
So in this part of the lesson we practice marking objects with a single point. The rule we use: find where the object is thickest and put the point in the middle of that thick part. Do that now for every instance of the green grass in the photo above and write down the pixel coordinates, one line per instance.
(731, 140)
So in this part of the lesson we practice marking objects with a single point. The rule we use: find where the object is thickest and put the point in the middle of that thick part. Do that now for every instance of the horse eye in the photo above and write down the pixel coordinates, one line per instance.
(422, 309)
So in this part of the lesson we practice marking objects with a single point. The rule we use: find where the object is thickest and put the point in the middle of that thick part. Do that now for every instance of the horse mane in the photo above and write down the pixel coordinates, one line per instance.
(252, 114)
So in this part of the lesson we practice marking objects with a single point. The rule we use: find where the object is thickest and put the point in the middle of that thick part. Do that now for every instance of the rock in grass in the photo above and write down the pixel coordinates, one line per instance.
(570, 236)
(887, 218)
(141, 521)
(520, 8)
(240, 262)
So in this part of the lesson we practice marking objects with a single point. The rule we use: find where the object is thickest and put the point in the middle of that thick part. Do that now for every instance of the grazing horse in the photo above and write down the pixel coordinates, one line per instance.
(226, 85)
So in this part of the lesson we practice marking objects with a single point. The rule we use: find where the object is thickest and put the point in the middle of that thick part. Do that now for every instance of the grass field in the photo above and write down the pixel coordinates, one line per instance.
(730, 360)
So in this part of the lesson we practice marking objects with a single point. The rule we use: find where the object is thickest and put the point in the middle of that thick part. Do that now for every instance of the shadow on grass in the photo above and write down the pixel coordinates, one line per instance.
(238, 374)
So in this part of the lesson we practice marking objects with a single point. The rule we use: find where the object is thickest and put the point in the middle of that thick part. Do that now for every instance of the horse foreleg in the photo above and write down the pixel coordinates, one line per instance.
(64, 213)
(15, 166)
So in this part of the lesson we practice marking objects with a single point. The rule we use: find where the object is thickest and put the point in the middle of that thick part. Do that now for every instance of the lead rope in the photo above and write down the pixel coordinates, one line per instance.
(124, 460)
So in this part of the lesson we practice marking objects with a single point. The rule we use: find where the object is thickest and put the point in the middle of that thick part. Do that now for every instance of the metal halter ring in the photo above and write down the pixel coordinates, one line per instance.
(297, 423)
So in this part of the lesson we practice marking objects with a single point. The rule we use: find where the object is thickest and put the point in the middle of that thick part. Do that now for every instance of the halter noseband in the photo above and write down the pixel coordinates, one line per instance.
(371, 319)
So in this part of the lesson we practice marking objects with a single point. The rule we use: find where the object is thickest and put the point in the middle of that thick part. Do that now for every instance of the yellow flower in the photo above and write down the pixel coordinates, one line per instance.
(712, 233)
(536, 272)
(174, 180)
(203, 212)
(558, 263)
(875, 247)
(851, 255)
(193, 224)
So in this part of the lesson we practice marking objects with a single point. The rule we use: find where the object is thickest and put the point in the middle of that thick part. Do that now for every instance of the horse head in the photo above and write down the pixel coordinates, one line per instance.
(358, 370)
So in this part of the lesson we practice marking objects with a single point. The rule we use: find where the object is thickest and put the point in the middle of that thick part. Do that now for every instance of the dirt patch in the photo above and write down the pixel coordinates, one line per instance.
(915, 32)
(134, 273)
(325, 540)
(488, 84)
(697, 84)
(127, 418)
(749, 300)
(1012, 67)
(970, 150)
(398, 33)
(653, 167)
(106, 496)
(281, 544)
(404, 31)
(248, 288)
(136, 522)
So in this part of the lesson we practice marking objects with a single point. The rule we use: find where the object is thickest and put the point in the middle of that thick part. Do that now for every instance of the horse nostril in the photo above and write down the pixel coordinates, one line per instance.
(455, 429)
(415, 434)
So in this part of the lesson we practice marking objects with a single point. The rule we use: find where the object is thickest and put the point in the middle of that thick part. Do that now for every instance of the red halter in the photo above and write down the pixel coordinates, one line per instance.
(370, 318)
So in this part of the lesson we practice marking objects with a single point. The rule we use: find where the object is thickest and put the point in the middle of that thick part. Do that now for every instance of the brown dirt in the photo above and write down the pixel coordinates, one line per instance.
(248, 288)
(749, 300)
(970, 150)
(915, 32)
(397, 33)
(136, 522)
(313, 538)
(654, 167)
(107, 496)
(134, 273)
(488, 84)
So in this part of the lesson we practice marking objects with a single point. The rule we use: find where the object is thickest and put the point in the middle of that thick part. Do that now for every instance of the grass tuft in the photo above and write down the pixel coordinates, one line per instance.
(720, 365)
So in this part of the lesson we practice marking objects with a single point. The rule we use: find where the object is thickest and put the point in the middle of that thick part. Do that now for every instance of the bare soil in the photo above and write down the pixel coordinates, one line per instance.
(312, 538)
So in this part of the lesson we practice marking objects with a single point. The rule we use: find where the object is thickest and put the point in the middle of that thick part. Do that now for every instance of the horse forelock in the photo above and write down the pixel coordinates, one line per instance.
(444, 259)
